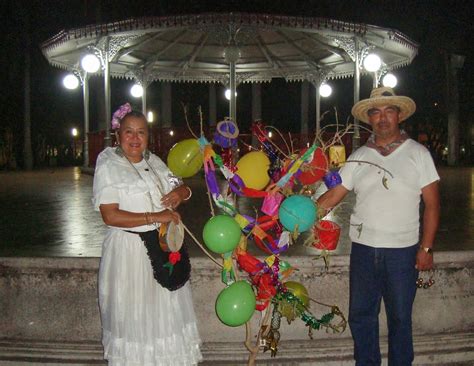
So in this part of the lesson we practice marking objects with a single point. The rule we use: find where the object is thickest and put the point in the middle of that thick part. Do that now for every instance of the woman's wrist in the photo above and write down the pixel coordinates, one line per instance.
(190, 193)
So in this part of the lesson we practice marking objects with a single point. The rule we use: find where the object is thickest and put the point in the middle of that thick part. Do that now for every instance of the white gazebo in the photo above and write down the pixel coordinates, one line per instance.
(229, 49)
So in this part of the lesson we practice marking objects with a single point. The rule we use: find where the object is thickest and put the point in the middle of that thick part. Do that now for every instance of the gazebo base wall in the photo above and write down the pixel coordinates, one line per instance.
(50, 314)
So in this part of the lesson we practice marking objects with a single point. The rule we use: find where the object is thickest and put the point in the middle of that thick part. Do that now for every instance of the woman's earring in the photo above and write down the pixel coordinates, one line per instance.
(146, 154)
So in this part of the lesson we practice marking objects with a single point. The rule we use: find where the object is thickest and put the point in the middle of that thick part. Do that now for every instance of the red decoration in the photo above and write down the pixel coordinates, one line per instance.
(326, 234)
(227, 159)
(174, 257)
(314, 170)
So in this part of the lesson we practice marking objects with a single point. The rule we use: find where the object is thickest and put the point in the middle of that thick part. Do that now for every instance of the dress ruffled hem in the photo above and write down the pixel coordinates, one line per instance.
(176, 350)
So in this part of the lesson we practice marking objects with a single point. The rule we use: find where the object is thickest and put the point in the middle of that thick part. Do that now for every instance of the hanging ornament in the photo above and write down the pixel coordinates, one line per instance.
(315, 169)
(226, 134)
(337, 155)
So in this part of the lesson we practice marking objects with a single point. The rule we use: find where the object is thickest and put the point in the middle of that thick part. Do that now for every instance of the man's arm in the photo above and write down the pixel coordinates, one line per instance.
(331, 198)
(430, 195)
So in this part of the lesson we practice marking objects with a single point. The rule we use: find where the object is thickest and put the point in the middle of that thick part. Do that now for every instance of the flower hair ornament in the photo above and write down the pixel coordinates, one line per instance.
(119, 114)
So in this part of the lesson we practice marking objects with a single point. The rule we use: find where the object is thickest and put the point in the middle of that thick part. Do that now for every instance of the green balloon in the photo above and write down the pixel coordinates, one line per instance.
(235, 304)
(221, 234)
(185, 158)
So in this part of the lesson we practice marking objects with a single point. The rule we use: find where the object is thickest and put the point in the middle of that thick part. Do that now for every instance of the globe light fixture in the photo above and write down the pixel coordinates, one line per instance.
(70, 81)
(74, 132)
(390, 81)
(325, 90)
(171, 132)
(372, 62)
(136, 90)
(90, 63)
(227, 94)
(149, 116)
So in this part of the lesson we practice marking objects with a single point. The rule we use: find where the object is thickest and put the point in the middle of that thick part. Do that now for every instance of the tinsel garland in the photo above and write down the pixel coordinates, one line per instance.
(308, 318)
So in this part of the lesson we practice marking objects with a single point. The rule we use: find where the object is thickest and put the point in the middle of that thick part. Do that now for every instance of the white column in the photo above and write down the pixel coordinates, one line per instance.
(356, 136)
(233, 88)
(318, 108)
(144, 86)
(85, 97)
(107, 140)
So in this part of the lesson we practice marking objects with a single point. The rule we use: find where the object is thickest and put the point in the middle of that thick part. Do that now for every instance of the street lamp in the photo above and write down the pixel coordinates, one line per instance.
(149, 117)
(71, 81)
(227, 94)
(390, 80)
(74, 134)
(90, 63)
(136, 90)
(372, 62)
(325, 90)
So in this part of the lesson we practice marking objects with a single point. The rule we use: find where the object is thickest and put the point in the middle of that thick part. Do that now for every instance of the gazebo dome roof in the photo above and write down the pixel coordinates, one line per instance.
(192, 48)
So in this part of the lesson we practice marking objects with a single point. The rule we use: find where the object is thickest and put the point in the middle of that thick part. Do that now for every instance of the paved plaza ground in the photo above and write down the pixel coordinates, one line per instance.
(49, 213)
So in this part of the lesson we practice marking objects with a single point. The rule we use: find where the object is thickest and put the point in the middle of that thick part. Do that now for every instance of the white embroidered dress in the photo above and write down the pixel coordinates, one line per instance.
(143, 324)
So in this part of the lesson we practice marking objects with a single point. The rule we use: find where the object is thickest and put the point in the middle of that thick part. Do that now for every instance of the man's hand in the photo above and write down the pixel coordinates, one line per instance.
(424, 260)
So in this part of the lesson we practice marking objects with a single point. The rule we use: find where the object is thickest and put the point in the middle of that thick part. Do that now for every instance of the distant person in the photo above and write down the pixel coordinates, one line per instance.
(146, 310)
(387, 252)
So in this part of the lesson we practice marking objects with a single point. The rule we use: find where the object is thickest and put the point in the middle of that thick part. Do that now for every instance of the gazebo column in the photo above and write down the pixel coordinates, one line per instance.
(106, 66)
(212, 105)
(318, 107)
(304, 108)
(166, 120)
(144, 86)
(233, 89)
(85, 96)
(232, 55)
(356, 136)
(256, 107)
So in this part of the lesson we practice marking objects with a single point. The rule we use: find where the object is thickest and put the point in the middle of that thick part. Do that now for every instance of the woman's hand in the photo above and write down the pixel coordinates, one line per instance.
(165, 216)
(173, 199)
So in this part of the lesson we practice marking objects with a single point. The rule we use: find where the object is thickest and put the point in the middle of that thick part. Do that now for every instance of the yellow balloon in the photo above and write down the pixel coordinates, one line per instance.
(299, 291)
(185, 158)
(253, 169)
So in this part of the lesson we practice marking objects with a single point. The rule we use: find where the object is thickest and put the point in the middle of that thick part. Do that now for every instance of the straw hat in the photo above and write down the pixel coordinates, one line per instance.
(380, 97)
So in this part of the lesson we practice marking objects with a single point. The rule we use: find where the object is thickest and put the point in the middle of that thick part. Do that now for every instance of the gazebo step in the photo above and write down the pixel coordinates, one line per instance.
(431, 349)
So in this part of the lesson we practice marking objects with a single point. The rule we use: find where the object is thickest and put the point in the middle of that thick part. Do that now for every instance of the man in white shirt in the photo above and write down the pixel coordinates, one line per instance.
(388, 175)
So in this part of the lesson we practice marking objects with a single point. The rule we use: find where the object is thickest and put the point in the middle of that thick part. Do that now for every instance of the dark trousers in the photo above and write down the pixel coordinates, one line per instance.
(377, 273)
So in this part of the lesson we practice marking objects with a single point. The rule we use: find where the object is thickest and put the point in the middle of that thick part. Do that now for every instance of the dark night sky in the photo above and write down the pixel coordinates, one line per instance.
(440, 27)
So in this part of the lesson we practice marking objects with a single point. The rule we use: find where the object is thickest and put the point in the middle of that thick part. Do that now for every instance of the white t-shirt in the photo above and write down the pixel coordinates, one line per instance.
(387, 215)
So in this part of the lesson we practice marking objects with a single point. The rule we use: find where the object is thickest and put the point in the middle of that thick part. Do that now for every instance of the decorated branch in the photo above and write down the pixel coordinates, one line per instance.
(284, 182)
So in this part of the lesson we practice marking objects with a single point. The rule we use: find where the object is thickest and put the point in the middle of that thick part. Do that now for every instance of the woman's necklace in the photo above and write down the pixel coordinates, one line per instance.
(153, 207)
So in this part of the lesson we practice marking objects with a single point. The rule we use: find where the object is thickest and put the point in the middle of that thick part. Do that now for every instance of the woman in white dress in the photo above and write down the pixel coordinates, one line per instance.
(143, 322)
